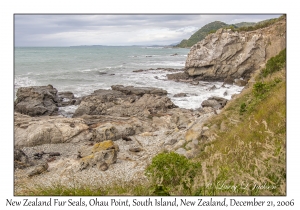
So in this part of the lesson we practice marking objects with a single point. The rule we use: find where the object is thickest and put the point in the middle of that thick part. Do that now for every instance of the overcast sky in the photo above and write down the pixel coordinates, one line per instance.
(70, 30)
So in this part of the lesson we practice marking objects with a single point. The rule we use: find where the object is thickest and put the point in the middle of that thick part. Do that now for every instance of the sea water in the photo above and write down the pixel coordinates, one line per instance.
(83, 69)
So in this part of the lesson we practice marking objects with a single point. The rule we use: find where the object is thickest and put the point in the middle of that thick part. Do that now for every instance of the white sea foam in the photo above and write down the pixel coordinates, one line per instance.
(114, 67)
(85, 70)
(153, 47)
(24, 82)
(67, 111)
(168, 63)
(80, 74)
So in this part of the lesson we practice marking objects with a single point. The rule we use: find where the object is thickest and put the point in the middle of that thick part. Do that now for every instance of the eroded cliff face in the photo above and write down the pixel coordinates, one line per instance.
(235, 54)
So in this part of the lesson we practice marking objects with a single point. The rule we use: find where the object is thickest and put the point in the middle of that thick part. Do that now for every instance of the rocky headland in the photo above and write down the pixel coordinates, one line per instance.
(115, 133)
(228, 55)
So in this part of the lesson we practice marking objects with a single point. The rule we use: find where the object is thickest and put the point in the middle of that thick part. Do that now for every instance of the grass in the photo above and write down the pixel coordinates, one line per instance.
(259, 25)
(117, 188)
(251, 153)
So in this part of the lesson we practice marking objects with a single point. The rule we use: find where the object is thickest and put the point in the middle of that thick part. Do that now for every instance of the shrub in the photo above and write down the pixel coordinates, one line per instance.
(275, 63)
(259, 89)
(242, 108)
(171, 169)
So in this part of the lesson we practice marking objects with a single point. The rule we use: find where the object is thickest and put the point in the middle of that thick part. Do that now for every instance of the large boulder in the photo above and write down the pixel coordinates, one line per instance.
(100, 155)
(140, 91)
(39, 169)
(115, 130)
(235, 54)
(100, 101)
(180, 95)
(37, 100)
(214, 102)
(124, 102)
(178, 76)
(21, 160)
(42, 100)
(240, 82)
(29, 131)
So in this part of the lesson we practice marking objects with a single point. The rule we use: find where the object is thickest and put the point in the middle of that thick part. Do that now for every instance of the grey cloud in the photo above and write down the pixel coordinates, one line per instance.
(45, 29)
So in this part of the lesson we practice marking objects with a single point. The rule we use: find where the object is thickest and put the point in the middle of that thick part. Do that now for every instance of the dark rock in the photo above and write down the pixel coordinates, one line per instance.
(51, 159)
(126, 138)
(212, 88)
(38, 169)
(180, 95)
(20, 159)
(135, 149)
(174, 54)
(220, 100)
(228, 81)
(37, 100)
(54, 154)
(240, 82)
(140, 91)
(140, 70)
(67, 94)
(65, 99)
(211, 103)
(178, 76)
(38, 155)
(214, 102)
(103, 166)
(78, 101)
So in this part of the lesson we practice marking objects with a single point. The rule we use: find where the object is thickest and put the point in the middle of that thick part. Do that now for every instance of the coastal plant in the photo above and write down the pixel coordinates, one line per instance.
(171, 169)
(242, 108)
(259, 89)
(259, 25)
(274, 64)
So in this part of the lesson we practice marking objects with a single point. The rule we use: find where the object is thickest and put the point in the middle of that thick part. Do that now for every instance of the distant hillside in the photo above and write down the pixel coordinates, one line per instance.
(244, 24)
(210, 28)
(201, 34)
(214, 26)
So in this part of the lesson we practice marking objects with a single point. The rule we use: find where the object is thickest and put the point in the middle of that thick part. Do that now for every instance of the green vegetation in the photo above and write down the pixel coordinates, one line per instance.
(275, 64)
(259, 25)
(171, 170)
(201, 33)
(244, 24)
(214, 26)
(83, 189)
(243, 108)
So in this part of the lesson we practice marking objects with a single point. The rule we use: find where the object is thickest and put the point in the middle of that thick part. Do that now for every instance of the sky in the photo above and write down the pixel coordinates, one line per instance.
(116, 30)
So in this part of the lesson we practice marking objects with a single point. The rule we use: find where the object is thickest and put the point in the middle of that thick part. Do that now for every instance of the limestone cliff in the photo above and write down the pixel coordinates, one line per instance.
(233, 54)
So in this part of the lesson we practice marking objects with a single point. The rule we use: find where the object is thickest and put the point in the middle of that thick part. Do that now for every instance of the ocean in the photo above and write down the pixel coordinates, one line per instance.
(83, 69)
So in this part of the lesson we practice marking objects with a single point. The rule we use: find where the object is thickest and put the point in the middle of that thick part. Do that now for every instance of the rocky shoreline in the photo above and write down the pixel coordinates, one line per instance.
(111, 131)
